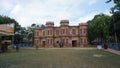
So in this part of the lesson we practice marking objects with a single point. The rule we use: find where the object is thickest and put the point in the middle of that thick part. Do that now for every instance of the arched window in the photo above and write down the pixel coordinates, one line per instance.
(43, 33)
(73, 31)
(57, 32)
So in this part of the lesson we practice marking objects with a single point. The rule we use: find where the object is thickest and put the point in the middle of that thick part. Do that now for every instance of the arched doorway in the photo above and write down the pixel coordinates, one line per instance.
(43, 43)
(74, 43)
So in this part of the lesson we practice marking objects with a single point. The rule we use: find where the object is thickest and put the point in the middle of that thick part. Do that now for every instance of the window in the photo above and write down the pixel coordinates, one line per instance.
(50, 32)
(74, 31)
(66, 41)
(84, 40)
(84, 30)
(80, 31)
(81, 40)
(63, 31)
(43, 33)
(57, 32)
(63, 40)
(57, 42)
(51, 41)
(48, 41)
(66, 31)
(37, 41)
(37, 33)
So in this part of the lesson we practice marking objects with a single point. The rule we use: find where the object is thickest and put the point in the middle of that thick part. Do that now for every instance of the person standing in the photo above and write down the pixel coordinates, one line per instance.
(6, 46)
(105, 46)
(17, 45)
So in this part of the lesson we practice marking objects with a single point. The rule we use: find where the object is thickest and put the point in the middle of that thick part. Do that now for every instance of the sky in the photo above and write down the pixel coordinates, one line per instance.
(27, 12)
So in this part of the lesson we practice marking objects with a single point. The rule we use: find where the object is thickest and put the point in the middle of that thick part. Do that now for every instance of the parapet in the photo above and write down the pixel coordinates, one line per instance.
(83, 24)
(64, 22)
(49, 24)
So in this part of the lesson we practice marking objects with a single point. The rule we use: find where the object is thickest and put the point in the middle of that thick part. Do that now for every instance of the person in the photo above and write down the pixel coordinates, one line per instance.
(16, 44)
(13, 47)
(105, 46)
(2, 46)
(17, 47)
(6, 46)
(36, 47)
(61, 45)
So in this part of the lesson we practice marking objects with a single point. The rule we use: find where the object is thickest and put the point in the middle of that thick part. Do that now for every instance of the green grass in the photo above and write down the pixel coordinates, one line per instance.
(59, 58)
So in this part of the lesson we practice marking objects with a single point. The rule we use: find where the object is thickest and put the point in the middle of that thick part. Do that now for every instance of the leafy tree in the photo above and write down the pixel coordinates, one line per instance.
(115, 10)
(42, 26)
(99, 28)
(27, 33)
(8, 20)
(30, 31)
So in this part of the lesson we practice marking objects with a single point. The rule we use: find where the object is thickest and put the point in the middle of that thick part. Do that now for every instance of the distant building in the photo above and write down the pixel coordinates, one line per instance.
(64, 35)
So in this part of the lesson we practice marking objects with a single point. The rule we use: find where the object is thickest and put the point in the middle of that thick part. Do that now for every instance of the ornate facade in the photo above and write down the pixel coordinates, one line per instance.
(62, 36)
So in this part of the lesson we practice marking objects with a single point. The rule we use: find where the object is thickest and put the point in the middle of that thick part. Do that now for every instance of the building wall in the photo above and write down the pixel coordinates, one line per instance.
(68, 36)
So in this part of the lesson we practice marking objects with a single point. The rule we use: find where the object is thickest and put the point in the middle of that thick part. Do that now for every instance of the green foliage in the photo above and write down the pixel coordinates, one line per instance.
(104, 27)
(42, 26)
(28, 32)
(115, 10)
(99, 27)
(8, 20)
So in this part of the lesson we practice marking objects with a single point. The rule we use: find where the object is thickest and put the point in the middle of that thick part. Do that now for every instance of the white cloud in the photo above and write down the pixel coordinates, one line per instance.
(42, 11)
(39, 11)
(6, 5)
(16, 9)
(91, 2)
(88, 17)
(107, 12)
(84, 19)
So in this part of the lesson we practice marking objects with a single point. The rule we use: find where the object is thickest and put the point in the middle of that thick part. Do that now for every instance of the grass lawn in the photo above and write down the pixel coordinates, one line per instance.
(59, 58)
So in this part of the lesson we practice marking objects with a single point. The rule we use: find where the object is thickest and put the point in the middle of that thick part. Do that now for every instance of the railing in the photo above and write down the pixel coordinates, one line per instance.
(114, 45)
(23, 45)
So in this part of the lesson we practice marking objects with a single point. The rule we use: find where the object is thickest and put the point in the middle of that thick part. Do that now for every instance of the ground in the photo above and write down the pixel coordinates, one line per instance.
(59, 58)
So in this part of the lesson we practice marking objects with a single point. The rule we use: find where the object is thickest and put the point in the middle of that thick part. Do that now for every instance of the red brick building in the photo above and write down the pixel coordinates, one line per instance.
(64, 35)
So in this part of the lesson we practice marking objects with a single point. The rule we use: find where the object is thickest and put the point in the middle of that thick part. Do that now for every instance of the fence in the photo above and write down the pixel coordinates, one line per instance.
(114, 45)
(23, 45)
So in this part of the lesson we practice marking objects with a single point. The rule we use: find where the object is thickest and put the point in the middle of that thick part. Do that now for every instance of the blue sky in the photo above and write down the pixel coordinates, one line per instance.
(27, 12)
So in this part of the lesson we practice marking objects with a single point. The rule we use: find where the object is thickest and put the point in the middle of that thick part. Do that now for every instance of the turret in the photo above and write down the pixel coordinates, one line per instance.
(83, 24)
(50, 24)
(64, 23)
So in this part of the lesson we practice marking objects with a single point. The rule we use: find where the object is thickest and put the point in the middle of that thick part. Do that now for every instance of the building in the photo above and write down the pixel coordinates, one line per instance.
(6, 30)
(64, 35)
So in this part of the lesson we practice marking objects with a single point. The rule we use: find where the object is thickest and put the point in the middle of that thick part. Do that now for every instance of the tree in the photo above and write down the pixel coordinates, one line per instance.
(27, 33)
(42, 26)
(115, 10)
(99, 28)
(8, 20)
